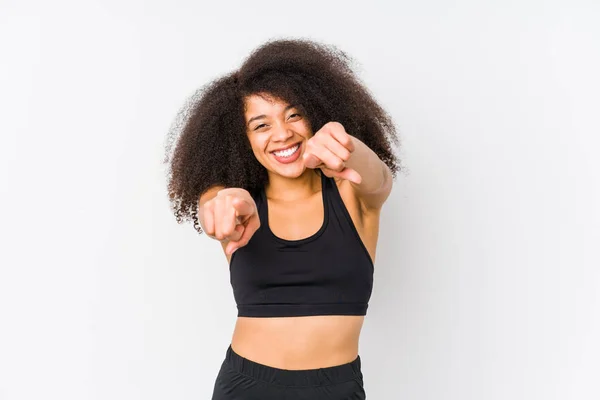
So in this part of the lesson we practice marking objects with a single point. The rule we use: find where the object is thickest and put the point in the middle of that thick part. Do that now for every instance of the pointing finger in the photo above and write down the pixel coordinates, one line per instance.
(251, 226)
(237, 233)
(242, 208)
(347, 173)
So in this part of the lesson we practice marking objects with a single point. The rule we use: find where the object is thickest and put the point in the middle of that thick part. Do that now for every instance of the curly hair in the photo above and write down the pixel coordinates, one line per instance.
(208, 146)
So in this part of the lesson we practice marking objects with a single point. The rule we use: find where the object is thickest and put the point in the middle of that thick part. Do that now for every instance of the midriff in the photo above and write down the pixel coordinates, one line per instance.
(297, 343)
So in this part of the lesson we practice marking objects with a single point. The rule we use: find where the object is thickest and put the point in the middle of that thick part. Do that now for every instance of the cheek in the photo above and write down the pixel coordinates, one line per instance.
(257, 143)
(305, 129)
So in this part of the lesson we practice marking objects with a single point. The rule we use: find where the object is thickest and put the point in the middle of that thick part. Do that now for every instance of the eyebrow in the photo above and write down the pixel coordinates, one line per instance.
(264, 116)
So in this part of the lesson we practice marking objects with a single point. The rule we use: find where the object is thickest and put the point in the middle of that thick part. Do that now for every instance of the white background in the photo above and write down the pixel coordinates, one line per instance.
(487, 280)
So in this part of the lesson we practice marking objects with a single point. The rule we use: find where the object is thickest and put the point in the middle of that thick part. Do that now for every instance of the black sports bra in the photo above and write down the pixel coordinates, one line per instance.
(328, 273)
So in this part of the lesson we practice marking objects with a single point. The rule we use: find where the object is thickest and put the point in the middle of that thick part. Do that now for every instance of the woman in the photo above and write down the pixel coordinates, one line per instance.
(287, 162)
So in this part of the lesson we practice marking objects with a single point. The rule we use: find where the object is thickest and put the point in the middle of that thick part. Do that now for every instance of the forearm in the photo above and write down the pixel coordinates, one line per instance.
(373, 171)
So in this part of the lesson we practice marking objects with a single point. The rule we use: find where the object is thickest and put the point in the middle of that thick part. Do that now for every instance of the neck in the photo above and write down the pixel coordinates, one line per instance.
(293, 189)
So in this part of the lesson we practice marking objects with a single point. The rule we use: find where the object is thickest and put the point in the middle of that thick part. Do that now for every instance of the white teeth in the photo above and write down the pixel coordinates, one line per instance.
(287, 152)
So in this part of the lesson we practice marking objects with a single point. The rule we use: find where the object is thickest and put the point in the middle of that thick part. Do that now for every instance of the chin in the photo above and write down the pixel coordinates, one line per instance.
(290, 171)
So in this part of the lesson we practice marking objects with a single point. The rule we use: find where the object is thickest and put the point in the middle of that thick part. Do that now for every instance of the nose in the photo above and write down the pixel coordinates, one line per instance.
(281, 133)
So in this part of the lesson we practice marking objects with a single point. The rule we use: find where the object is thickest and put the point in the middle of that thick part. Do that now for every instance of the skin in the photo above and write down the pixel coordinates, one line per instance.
(295, 212)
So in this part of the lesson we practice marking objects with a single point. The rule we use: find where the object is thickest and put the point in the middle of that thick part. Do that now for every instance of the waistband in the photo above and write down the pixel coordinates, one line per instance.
(285, 377)
(298, 310)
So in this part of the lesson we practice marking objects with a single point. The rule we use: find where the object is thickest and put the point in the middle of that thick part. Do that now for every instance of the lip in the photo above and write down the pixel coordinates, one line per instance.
(285, 148)
(291, 159)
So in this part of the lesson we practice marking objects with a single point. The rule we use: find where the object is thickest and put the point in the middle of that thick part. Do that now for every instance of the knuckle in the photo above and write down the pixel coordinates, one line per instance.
(335, 125)
(337, 164)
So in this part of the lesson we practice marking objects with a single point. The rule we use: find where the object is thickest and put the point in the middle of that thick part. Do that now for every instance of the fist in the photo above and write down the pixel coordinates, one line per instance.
(231, 216)
(329, 149)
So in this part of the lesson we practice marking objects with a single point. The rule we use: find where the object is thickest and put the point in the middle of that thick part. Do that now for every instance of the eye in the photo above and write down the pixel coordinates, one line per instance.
(259, 126)
(295, 114)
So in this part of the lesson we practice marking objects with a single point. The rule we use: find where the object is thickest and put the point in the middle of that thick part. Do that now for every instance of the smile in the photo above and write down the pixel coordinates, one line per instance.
(287, 156)
(287, 152)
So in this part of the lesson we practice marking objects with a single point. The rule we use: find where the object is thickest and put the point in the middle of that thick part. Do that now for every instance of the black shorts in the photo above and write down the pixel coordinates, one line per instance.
(242, 379)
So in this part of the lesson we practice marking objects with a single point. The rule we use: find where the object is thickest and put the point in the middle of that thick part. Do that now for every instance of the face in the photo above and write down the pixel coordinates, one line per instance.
(278, 132)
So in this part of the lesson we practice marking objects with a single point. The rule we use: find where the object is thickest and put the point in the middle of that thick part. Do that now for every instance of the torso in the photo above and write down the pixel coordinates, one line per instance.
(312, 341)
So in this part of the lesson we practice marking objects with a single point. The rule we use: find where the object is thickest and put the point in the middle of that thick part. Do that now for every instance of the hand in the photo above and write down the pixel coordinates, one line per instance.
(329, 149)
(231, 216)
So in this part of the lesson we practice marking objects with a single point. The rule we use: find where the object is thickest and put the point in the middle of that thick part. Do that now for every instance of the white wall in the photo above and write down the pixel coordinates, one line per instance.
(487, 277)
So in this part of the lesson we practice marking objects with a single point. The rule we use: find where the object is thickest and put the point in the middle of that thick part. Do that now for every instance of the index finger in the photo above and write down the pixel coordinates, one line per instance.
(347, 173)
(242, 207)
(251, 227)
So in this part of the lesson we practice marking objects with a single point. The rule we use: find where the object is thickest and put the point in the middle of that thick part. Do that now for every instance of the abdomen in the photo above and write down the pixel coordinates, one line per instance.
(298, 342)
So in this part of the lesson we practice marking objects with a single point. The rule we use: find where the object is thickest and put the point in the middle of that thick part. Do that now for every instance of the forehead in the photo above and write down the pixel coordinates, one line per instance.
(257, 104)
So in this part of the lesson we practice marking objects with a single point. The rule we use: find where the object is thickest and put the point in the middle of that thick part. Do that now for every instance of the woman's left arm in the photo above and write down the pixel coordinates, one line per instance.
(376, 177)
(340, 154)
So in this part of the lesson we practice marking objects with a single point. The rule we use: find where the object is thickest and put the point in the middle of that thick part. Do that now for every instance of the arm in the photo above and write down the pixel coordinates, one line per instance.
(341, 155)
(376, 177)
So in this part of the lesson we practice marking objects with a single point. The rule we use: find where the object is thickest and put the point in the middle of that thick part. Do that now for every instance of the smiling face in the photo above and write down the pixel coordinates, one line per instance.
(278, 132)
